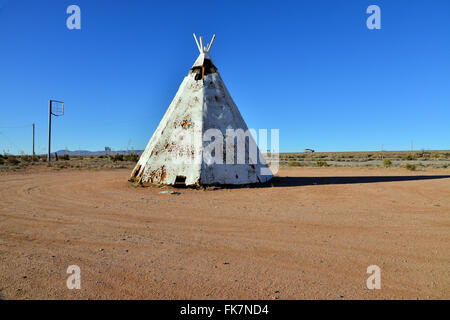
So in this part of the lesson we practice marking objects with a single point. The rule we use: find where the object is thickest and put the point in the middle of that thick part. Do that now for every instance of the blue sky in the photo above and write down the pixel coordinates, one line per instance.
(312, 69)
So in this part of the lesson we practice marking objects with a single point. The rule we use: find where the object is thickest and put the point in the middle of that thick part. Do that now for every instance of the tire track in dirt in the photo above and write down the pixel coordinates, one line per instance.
(306, 241)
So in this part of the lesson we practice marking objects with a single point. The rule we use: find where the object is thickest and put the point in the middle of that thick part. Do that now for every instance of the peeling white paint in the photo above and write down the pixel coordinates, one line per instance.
(176, 147)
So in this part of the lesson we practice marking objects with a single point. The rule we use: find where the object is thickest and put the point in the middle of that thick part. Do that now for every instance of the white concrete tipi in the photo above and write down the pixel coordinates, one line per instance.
(202, 139)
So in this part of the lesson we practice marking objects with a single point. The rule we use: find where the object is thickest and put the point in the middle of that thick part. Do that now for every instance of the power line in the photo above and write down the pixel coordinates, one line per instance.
(17, 127)
(10, 143)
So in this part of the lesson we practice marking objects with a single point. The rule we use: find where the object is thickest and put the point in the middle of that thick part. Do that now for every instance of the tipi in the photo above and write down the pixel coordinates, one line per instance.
(202, 139)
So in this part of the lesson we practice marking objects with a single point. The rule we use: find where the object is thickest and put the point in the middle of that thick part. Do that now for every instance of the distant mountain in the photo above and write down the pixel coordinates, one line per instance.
(96, 153)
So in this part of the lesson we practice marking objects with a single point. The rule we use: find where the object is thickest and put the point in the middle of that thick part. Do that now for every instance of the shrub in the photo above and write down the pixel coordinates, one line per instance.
(321, 163)
(408, 157)
(293, 163)
(26, 158)
(65, 157)
(436, 155)
(411, 167)
(387, 163)
(117, 157)
(131, 157)
(2, 161)
(13, 160)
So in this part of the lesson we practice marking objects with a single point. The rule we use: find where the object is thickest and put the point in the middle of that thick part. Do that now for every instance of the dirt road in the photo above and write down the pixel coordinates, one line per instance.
(310, 236)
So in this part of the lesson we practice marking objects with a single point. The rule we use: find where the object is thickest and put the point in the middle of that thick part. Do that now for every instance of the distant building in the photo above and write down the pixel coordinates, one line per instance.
(308, 150)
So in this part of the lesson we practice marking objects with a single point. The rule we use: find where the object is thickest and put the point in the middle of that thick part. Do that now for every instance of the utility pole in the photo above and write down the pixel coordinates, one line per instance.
(49, 129)
(58, 111)
(33, 142)
(411, 145)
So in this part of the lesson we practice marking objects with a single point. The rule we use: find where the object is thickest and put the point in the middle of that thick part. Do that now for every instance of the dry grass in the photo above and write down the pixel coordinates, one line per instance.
(21, 163)
(436, 159)
(378, 159)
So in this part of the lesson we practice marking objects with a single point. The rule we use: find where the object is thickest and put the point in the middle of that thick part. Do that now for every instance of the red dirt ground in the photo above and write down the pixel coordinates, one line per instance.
(311, 235)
